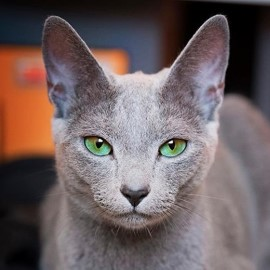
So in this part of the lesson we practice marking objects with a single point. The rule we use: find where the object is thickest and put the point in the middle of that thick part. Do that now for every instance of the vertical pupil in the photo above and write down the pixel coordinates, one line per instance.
(171, 144)
(99, 142)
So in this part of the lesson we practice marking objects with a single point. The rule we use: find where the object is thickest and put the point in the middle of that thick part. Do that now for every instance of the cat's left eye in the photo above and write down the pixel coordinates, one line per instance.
(173, 147)
(97, 146)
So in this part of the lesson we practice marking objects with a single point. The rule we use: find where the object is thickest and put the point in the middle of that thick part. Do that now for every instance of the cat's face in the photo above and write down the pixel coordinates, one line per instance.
(128, 147)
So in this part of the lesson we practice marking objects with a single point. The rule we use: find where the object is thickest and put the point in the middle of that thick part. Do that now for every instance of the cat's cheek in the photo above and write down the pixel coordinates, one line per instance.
(107, 195)
(97, 173)
(184, 173)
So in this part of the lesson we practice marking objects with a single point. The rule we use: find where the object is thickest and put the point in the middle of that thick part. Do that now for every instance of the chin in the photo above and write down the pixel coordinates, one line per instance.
(135, 221)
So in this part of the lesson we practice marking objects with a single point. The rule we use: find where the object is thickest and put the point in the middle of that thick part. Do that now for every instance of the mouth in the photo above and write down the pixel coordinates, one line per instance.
(135, 220)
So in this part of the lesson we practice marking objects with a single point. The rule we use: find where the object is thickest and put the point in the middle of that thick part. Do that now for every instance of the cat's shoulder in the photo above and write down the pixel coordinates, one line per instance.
(236, 103)
(239, 115)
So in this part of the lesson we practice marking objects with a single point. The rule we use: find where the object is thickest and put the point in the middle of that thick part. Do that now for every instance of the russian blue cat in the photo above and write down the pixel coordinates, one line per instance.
(145, 180)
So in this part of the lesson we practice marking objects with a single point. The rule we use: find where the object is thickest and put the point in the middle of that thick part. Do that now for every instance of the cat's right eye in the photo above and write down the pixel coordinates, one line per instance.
(97, 146)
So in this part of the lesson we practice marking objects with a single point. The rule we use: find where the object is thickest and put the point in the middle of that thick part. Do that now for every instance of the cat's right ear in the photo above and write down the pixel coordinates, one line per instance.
(199, 71)
(69, 66)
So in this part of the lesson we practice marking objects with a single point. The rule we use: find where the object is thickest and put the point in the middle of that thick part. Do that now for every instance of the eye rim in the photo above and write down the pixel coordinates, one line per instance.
(176, 155)
(95, 153)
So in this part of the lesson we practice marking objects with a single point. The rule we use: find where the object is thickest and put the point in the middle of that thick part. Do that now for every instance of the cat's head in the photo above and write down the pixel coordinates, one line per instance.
(129, 147)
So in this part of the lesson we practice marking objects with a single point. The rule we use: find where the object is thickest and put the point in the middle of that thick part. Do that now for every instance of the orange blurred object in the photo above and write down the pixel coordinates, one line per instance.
(25, 111)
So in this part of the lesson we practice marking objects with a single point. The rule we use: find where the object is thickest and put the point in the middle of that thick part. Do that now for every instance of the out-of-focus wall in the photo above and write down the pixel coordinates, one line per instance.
(261, 83)
(135, 26)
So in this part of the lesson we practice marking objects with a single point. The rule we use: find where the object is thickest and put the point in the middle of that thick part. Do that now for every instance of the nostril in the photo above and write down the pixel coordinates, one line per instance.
(135, 196)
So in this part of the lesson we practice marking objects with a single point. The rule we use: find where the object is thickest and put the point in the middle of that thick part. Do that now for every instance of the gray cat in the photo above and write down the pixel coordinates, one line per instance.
(143, 181)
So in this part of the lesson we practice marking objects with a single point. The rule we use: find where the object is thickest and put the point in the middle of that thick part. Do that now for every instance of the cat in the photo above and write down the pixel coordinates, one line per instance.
(146, 178)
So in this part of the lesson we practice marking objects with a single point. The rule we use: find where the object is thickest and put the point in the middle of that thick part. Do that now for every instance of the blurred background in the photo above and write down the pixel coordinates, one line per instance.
(125, 36)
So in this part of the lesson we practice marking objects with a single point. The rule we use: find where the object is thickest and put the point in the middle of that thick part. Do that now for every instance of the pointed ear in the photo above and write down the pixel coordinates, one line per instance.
(70, 66)
(200, 68)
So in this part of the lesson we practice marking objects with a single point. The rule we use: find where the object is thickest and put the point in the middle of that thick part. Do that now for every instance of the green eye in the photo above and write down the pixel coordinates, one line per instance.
(97, 146)
(173, 148)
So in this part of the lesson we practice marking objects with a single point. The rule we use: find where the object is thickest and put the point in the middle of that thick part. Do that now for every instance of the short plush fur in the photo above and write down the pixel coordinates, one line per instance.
(201, 210)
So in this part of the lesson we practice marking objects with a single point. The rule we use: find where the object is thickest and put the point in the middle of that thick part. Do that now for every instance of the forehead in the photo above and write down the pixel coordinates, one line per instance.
(137, 113)
(138, 95)
(137, 105)
(141, 112)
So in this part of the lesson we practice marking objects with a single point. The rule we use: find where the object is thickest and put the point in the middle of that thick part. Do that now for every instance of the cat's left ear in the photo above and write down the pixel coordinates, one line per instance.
(200, 68)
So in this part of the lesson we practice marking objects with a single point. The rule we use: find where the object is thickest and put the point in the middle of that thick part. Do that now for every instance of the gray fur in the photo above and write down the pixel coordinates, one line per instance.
(201, 209)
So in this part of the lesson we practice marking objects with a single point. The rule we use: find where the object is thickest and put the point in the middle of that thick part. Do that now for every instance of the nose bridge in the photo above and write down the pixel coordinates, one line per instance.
(135, 174)
(135, 179)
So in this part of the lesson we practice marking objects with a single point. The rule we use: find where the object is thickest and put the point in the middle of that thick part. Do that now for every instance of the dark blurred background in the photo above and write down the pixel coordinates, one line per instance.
(126, 36)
